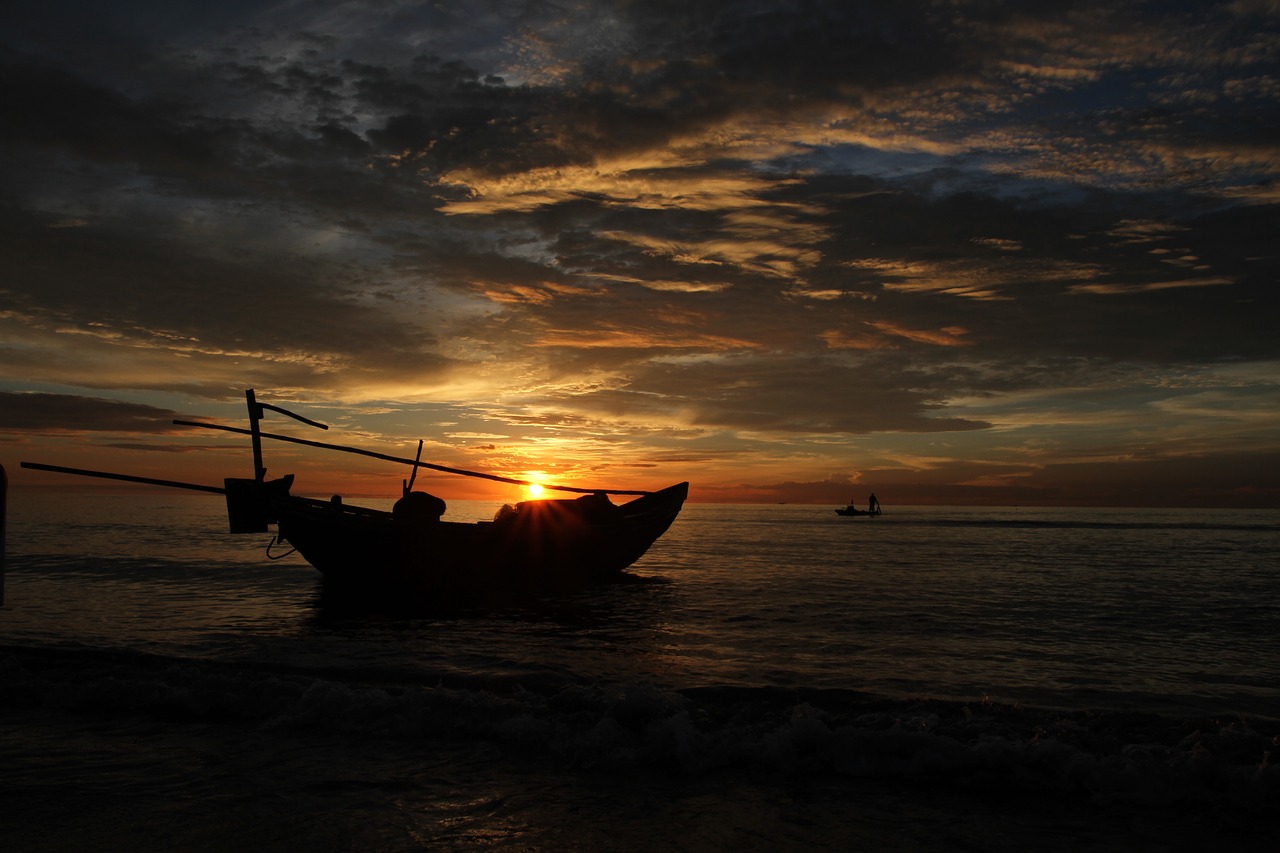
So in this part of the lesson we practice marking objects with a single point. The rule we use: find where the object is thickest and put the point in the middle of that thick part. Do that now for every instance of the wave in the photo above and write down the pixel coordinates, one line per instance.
(1106, 757)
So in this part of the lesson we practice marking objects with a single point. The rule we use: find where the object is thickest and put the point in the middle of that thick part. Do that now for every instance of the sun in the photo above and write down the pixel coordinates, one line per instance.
(535, 489)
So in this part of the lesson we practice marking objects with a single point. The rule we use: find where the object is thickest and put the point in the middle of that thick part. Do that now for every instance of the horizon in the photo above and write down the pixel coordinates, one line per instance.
(997, 256)
(92, 487)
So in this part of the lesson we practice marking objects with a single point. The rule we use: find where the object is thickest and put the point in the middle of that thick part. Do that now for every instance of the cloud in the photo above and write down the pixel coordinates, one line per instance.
(1149, 286)
(35, 412)
(615, 338)
(774, 225)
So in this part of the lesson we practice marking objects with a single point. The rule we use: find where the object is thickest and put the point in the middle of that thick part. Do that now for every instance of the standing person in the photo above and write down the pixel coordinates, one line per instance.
(873, 505)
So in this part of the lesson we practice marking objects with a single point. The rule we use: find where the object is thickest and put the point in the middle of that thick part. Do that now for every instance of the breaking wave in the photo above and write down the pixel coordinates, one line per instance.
(1108, 757)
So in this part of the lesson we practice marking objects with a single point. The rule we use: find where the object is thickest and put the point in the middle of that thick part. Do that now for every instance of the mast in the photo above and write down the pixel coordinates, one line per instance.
(255, 415)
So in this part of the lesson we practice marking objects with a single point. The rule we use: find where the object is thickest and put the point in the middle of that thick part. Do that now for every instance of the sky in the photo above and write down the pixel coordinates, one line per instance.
(953, 252)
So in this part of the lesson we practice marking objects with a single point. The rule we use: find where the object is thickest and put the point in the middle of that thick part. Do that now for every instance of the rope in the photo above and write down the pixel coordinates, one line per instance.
(274, 540)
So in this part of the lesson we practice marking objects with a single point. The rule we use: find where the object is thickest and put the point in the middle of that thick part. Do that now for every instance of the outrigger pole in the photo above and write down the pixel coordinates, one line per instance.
(404, 461)
(130, 478)
(260, 472)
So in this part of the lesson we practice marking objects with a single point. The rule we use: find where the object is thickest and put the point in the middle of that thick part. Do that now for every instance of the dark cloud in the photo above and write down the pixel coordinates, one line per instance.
(157, 293)
(35, 412)
(811, 221)
(56, 110)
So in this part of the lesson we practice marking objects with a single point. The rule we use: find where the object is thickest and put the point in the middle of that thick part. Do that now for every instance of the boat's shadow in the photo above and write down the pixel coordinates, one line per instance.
(601, 603)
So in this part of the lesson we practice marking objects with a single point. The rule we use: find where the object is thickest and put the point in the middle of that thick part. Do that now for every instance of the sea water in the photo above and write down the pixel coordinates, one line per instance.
(767, 677)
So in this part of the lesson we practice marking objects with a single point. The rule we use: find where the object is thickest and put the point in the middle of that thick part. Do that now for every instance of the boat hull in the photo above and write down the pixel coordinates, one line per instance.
(539, 546)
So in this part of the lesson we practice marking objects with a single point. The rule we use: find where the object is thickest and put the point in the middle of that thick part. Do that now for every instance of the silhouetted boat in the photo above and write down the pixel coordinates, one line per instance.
(532, 547)
(853, 510)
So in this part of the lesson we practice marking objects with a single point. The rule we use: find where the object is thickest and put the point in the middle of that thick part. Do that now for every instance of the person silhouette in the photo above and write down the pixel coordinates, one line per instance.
(873, 505)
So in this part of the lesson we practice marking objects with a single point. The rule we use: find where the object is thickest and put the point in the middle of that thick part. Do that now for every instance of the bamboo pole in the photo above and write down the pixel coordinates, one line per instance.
(129, 478)
(404, 461)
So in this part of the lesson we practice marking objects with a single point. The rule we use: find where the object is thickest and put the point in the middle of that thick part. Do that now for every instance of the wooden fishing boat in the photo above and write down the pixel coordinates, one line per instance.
(535, 546)
(853, 510)
(532, 547)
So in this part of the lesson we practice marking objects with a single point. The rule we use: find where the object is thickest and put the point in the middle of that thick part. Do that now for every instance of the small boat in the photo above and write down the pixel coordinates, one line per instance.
(533, 547)
(853, 510)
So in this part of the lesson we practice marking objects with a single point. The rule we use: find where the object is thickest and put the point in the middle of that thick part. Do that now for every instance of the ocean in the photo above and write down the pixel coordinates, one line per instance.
(766, 678)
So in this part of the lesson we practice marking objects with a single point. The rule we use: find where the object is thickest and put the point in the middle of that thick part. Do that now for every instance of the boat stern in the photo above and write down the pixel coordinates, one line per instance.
(253, 504)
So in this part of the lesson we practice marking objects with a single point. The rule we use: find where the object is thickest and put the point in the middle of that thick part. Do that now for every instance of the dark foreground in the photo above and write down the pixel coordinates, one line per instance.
(110, 751)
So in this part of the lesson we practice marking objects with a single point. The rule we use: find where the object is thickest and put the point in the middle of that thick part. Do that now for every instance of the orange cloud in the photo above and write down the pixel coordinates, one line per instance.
(984, 281)
(836, 339)
(543, 293)
(637, 339)
(1110, 289)
(949, 336)
(669, 286)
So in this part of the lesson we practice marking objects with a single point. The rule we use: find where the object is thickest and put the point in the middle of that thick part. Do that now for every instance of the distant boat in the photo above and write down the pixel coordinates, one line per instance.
(853, 510)
(533, 547)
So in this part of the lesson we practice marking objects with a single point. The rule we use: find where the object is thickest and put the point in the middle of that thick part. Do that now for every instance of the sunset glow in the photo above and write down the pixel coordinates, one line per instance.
(952, 253)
